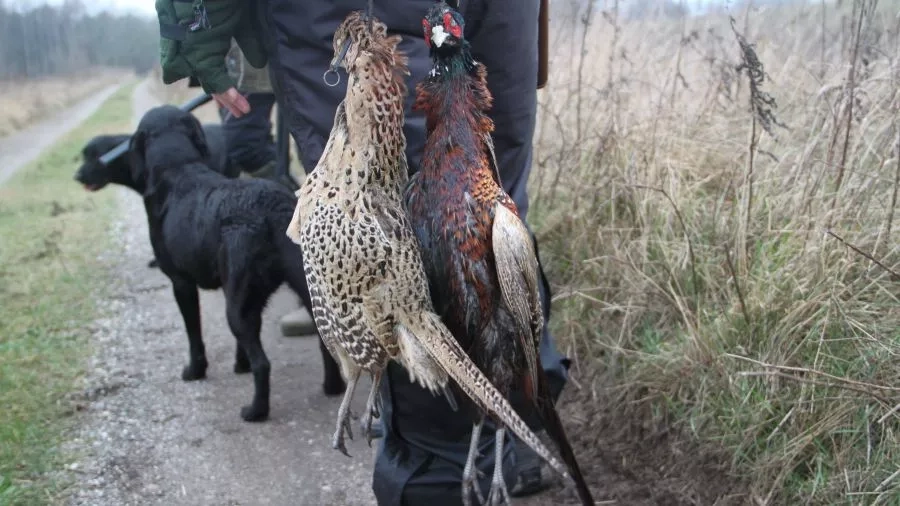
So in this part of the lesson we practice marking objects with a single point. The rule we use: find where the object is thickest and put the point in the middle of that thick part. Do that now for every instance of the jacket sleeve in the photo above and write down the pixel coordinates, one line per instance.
(194, 45)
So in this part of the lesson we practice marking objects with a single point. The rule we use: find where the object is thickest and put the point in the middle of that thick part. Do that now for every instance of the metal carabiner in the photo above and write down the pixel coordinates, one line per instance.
(335, 63)
(325, 77)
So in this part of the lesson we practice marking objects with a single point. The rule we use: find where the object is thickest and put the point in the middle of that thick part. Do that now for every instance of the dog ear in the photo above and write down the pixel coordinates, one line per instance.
(136, 152)
(195, 132)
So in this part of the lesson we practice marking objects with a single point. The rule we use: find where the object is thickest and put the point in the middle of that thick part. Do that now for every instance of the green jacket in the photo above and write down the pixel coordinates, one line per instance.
(195, 37)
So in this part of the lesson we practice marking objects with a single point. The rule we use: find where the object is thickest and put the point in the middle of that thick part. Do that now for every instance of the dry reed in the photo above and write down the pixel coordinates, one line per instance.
(685, 231)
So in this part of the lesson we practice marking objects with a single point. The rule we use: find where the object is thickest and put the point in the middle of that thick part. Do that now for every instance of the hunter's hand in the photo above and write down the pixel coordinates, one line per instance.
(232, 100)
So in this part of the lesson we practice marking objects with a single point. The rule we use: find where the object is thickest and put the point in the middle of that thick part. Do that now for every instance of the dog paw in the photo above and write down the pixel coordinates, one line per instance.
(333, 387)
(253, 413)
(194, 372)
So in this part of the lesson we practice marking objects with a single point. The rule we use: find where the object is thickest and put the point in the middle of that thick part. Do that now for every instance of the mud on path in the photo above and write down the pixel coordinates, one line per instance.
(149, 438)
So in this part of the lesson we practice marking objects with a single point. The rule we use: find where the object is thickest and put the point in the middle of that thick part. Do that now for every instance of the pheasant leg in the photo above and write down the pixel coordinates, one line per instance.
(470, 471)
(498, 494)
(343, 418)
(371, 407)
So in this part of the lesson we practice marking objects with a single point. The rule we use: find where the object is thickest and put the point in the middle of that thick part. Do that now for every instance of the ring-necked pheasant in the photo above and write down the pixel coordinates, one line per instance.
(369, 294)
(479, 256)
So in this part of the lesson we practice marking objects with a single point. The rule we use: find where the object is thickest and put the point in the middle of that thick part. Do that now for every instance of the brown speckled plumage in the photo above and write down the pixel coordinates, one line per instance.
(359, 253)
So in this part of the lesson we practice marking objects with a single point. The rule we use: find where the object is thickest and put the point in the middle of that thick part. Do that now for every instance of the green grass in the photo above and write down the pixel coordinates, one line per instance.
(50, 279)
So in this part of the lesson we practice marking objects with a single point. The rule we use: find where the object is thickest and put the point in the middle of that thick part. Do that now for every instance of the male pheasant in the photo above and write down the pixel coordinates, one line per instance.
(478, 255)
(369, 294)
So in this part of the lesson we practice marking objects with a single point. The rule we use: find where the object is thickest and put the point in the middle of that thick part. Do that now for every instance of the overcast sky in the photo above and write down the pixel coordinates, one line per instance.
(147, 7)
(137, 7)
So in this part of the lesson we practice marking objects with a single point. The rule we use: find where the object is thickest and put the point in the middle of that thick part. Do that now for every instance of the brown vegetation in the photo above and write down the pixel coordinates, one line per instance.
(716, 201)
(23, 102)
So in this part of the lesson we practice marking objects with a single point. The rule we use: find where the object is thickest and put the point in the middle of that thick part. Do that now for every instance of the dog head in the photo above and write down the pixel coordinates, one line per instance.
(166, 137)
(92, 174)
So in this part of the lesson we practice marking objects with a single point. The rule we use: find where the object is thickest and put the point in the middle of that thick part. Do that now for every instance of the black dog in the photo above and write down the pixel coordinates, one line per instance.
(93, 175)
(209, 231)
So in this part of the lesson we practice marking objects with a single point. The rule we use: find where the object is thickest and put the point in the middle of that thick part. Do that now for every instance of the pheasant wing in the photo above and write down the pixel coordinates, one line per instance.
(492, 157)
(517, 273)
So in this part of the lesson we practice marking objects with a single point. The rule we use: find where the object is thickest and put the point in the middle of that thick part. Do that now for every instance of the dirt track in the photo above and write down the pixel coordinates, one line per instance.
(20, 148)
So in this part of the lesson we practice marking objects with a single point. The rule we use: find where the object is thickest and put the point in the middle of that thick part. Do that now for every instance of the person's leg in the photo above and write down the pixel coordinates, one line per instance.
(423, 439)
(249, 138)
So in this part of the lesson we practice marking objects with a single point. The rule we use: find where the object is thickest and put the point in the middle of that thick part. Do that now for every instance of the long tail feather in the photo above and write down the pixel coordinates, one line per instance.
(442, 346)
(543, 401)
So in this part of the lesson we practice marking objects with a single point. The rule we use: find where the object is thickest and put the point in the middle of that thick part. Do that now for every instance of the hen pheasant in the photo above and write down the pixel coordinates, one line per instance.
(479, 256)
(369, 294)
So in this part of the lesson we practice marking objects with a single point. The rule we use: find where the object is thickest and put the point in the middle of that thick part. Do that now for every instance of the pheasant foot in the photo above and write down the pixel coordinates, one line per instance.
(343, 418)
(371, 408)
(498, 494)
(470, 471)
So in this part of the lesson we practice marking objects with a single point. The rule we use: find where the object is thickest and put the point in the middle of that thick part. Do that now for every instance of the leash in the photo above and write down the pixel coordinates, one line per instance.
(122, 148)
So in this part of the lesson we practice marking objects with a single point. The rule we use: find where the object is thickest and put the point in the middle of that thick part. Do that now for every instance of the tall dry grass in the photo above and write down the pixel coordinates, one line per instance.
(24, 102)
(716, 203)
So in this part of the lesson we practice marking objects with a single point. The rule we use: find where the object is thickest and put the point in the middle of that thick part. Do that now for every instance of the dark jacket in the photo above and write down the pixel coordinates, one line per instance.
(195, 37)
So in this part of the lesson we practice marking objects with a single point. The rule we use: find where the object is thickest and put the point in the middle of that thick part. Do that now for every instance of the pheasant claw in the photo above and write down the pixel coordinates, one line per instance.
(499, 494)
(371, 407)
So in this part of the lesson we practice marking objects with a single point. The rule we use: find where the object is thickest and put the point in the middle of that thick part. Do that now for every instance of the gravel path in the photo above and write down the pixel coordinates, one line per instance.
(147, 437)
(22, 147)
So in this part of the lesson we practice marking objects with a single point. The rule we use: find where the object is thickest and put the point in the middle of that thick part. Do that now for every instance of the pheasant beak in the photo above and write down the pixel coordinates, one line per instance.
(438, 35)
(338, 58)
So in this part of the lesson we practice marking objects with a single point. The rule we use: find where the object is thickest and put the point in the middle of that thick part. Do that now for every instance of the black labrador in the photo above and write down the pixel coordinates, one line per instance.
(94, 176)
(211, 232)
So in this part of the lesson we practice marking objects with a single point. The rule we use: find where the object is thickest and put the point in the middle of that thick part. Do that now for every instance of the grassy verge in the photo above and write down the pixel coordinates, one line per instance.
(691, 247)
(50, 278)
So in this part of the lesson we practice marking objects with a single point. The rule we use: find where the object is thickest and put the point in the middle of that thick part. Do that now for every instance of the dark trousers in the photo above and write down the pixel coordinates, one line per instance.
(420, 458)
(249, 138)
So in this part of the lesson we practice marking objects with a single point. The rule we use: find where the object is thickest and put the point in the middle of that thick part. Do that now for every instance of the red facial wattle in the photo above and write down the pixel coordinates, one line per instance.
(426, 27)
(451, 27)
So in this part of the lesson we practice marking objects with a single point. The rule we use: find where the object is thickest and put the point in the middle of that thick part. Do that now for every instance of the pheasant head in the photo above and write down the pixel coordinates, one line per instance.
(443, 27)
(373, 106)
(454, 96)
(359, 33)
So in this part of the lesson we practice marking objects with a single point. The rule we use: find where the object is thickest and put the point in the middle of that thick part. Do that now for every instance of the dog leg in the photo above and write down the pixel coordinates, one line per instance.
(258, 410)
(189, 304)
(241, 362)
(334, 382)
(245, 324)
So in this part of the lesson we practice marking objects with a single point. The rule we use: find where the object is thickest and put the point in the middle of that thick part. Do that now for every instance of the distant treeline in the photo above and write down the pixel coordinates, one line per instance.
(55, 40)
